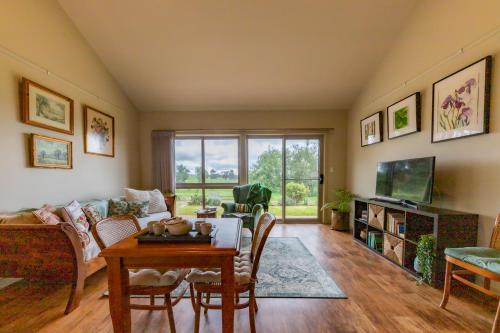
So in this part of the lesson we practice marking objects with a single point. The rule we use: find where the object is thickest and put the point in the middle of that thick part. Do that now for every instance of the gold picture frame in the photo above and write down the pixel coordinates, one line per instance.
(51, 153)
(46, 108)
(99, 132)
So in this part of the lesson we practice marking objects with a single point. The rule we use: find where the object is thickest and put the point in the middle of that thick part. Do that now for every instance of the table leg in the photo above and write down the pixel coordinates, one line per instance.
(119, 300)
(227, 279)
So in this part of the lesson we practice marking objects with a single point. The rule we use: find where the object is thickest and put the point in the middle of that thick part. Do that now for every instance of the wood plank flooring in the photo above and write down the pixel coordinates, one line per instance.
(381, 298)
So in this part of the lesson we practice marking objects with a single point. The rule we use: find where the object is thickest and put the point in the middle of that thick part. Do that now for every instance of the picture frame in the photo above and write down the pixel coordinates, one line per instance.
(372, 129)
(461, 102)
(50, 153)
(46, 108)
(99, 132)
(404, 116)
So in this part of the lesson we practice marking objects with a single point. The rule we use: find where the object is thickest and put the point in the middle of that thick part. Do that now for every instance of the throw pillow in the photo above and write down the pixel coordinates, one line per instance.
(242, 208)
(118, 207)
(74, 215)
(93, 214)
(156, 199)
(138, 208)
(46, 215)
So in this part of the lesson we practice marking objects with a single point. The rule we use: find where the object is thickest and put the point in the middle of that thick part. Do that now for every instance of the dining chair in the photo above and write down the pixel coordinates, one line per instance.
(150, 282)
(483, 261)
(246, 266)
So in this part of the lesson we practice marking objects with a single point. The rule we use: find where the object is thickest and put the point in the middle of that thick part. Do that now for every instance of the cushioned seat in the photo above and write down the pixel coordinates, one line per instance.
(156, 277)
(242, 272)
(92, 250)
(483, 257)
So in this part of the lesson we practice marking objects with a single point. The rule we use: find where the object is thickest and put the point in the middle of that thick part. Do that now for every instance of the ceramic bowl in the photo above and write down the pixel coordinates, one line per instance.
(179, 229)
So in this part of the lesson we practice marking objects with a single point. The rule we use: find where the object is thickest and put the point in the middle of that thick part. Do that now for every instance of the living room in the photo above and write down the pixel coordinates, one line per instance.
(110, 106)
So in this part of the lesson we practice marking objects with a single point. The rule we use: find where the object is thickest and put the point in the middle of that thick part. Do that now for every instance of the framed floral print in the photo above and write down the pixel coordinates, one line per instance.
(461, 102)
(46, 108)
(403, 117)
(99, 132)
(371, 129)
(47, 152)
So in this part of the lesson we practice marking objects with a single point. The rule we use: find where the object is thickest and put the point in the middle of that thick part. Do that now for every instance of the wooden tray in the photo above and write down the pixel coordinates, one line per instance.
(191, 237)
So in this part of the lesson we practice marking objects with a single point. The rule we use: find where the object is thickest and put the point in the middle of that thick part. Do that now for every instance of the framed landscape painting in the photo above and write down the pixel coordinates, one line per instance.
(99, 132)
(47, 152)
(461, 102)
(46, 108)
(403, 117)
(371, 129)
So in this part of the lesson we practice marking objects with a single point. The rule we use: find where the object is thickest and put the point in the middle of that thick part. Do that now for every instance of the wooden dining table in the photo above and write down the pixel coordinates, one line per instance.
(128, 254)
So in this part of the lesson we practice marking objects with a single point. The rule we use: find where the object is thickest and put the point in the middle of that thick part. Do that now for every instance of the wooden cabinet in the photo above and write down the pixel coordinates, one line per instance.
(448, 227)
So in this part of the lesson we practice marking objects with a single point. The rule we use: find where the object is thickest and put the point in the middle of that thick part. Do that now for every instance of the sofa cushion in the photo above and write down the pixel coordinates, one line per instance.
(143, 222)
(483, 257)
(46, 215)
(118, 207)
(138, 208)
(19, 218)
(74, 215)
(92, 250)
(156, 199)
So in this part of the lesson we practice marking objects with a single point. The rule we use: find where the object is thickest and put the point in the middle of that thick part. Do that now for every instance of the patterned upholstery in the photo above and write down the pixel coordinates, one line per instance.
(116, 228)
(242, 272)
(156, 277)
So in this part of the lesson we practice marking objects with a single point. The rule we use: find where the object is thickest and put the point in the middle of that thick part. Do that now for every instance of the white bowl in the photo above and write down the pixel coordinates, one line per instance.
(179, 229)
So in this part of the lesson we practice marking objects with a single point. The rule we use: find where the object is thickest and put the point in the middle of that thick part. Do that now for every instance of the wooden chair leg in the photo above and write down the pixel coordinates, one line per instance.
(251, 311)
(75, 295)
(170, 313)
(487, 283)
(447, 285)
(191, 296)
(236, 298)
(255, 304)
(207, 300)
(197, 312)
(496, 323)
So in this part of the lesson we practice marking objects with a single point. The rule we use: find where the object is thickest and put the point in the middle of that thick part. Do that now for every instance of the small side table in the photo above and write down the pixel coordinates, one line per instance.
(202, 214)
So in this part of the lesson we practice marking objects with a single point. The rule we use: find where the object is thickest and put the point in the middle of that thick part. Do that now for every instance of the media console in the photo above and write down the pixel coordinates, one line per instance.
(392, 231)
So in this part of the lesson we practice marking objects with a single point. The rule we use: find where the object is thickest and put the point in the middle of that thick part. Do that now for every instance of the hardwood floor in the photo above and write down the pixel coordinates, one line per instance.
(381, 298)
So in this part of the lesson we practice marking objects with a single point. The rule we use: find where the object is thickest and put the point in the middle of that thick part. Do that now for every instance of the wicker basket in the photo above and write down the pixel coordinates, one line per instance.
(376, 216)
(393, 248)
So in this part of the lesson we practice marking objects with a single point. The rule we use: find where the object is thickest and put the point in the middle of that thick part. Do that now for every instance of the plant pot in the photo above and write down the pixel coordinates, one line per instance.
(416, 265)
(340, 221)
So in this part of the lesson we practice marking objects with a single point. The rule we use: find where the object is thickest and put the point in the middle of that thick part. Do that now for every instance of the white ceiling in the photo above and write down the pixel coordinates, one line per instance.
(240, 54)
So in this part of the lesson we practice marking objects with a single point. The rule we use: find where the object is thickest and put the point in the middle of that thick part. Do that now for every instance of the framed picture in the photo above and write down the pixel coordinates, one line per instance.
(403, 117)
(99, 132)
(46, 108)
(461, 102)
(371, 129)
(47, 152)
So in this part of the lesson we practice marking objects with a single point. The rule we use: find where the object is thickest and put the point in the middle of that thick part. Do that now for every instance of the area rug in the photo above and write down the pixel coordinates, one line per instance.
(289, 270)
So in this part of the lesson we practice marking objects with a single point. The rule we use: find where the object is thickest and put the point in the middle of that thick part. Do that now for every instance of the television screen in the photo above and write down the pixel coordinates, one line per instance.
(410, 180)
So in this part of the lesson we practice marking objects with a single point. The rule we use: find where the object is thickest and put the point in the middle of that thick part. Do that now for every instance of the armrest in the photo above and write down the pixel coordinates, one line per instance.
(170, 202)
(256, 209)
(229, 207)
(41, 252)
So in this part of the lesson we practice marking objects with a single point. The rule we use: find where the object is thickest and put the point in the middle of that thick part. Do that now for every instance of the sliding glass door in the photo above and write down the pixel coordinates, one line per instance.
(290, 167)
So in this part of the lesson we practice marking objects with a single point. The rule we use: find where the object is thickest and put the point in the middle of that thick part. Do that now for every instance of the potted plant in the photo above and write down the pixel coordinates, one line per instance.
(340, 207)
(425, 258)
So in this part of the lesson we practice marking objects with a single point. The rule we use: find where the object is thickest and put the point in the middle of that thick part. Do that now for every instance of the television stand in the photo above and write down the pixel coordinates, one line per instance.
(405, 203)
(393, 230)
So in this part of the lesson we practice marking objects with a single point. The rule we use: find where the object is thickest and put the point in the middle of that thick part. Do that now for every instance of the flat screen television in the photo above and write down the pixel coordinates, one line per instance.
(406, 180)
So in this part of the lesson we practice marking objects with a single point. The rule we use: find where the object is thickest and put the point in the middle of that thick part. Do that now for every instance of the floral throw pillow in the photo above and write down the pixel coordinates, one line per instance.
(242, 208)
(46, 215)
(93, 214)
(138, 208)
(118, 207)
(74, 215)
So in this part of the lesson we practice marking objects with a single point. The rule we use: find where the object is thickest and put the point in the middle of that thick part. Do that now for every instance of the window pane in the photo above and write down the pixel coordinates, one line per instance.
(188, 201)
(221, 160)
(215, 197)
(301, 198)
(188, 160)
(302, 158)
(265, 166)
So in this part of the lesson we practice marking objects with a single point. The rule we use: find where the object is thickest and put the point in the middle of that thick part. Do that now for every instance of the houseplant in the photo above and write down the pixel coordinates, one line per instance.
(425, 258)
(341, 206)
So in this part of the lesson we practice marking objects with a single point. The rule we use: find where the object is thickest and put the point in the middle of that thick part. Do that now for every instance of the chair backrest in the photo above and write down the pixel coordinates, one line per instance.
(261, 233)
(495, 236)
(114, 229)
(240, 193)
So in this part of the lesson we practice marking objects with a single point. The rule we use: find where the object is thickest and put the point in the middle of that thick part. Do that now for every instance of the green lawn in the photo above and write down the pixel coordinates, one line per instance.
(309, 211)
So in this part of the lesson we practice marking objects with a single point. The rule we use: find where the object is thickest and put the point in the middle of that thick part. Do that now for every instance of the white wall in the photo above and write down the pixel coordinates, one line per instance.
(467, 170)
(38, 32)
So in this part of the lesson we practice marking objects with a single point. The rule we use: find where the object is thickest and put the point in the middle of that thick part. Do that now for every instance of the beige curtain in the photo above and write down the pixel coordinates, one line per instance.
(164, 160)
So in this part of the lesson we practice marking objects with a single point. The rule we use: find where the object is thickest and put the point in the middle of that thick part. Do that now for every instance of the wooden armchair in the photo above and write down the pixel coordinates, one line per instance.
(484, 261)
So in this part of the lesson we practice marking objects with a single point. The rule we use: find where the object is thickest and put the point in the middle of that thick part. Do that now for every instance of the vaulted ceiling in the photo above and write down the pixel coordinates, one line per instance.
(175, 55)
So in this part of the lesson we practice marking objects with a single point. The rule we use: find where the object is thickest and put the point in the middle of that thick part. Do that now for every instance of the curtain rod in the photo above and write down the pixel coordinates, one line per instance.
(250, 131)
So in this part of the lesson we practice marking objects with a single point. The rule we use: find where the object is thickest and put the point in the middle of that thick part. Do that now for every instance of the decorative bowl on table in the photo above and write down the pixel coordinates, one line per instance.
(178, 227)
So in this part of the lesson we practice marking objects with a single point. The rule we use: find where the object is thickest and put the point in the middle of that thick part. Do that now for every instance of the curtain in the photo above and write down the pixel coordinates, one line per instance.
(164, 160)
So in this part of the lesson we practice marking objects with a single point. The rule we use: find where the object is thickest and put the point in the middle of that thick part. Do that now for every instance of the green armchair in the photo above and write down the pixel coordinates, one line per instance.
(255, 196)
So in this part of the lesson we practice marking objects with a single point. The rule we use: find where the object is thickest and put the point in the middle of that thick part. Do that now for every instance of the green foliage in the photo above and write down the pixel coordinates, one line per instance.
(425, 257)
(342, 201)
(267, 170)
(182, 173)
(195, 199)
(302, 163)
(297, 192)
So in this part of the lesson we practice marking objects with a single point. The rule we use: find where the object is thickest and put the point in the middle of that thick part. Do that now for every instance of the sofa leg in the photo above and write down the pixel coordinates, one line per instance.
(76, 294)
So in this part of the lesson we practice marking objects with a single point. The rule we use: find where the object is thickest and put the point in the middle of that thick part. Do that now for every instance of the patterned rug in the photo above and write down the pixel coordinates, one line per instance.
(289, 270)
